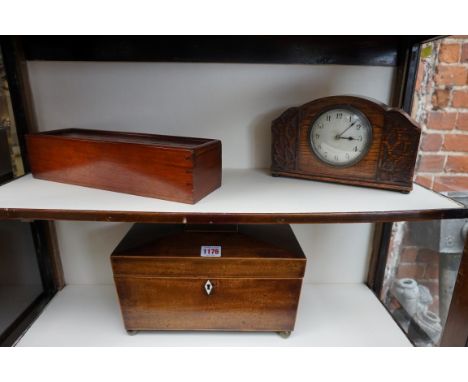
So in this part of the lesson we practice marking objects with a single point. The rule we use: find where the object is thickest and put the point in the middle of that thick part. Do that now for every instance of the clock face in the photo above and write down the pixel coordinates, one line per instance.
(341, 136)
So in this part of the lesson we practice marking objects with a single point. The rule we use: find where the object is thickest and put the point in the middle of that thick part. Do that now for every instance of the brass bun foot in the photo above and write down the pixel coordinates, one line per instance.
(284, 334)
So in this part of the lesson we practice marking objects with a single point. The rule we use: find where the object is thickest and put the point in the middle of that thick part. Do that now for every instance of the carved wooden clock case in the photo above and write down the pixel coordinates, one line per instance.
(387, 162)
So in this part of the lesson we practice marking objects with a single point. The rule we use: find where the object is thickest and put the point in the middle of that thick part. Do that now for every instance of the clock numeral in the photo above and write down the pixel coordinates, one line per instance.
(328, 118)
(320, 126)
(360, 138)
(319, 147)
(355, 149)
(350, 117)
(317, 136)
(347, 156)
(336, 157)
(358, 127)
(339, 115)
(325, 154)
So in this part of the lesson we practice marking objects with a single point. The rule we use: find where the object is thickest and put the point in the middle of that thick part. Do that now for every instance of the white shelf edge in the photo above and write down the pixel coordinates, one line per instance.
(252, 192)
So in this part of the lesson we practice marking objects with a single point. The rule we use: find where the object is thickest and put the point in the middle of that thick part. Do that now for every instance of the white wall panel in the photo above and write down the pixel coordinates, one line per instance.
(85, 248)
(336, 253)
(232, 102)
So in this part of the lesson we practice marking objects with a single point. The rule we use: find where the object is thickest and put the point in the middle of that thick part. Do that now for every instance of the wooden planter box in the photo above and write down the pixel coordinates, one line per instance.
(180, 169)
(164, 283)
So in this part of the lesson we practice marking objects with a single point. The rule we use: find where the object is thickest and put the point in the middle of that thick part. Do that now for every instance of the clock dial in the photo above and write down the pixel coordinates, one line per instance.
(341, 136)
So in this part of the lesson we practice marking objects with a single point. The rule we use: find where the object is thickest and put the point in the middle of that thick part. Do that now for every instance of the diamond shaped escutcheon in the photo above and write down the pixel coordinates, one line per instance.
(208, 287)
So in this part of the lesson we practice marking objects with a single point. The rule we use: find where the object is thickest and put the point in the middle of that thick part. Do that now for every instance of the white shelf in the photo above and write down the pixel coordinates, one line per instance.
(329, 315)
(252, 194)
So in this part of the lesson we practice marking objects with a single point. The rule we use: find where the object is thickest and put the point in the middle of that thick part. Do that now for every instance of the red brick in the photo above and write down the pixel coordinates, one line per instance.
(411, 270)
(449, 53)
(427, 256)
(425, 181)
(451, 183)
(431, 142)
(457, 164)
(440, 98)
(460, 98)
(462, 121)
(451, 75)
(432, 271)
(441, 121)
(456, 142)
(409, 254)
(431, 163)
(464, 53)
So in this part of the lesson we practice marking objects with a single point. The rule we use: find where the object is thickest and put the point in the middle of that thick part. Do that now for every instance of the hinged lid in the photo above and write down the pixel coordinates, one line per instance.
(238, 251)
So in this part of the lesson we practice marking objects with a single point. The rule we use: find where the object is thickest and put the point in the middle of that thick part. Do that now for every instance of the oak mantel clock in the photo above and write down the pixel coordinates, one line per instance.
(349, 140)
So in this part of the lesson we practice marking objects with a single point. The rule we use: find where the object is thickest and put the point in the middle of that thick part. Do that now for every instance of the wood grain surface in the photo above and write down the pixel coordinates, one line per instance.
(172, 168)
(160, 278)
(389, 163)
(234, 304)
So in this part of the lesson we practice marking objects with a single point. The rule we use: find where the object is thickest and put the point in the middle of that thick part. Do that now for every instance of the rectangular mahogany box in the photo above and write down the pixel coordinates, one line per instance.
(183, 277)
(181, 169)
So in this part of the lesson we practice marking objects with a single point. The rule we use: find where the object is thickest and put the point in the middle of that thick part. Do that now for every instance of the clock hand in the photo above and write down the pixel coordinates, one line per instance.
(345, 130)
(349, 138)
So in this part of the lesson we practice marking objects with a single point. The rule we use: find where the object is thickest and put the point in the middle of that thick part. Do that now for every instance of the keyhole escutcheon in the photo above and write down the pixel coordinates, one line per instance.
(208, 287)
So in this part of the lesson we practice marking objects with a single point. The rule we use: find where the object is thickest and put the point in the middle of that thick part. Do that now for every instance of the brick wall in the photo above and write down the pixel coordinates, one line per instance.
(421, 264)
(441, 107)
